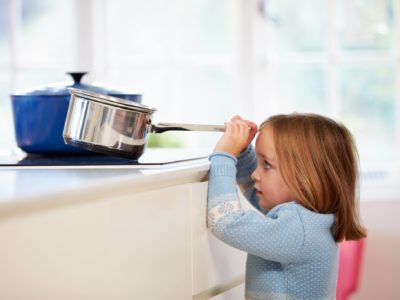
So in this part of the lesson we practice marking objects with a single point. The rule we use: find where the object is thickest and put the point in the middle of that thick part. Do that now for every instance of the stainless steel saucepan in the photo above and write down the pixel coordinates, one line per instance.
(114, 126)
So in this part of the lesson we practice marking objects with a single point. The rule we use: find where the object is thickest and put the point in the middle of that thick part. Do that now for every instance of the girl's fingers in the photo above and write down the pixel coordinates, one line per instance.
(252, 125)
(253, 128)
(235, 118)
(239, 128)
(242, 129)
(238, 135)
(228, 128)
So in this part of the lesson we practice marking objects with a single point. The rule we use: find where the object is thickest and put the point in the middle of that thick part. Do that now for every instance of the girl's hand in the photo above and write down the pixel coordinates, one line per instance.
(238, 135)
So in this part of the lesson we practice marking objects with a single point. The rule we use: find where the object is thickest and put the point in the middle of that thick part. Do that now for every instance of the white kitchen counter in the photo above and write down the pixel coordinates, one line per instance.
(24, 188)
(112, 232)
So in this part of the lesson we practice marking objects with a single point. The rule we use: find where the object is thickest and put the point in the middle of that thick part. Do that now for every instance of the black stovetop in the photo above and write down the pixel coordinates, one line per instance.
(150, 157)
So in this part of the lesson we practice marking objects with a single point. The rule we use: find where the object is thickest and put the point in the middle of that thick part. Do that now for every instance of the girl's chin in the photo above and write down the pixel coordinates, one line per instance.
(262, 205)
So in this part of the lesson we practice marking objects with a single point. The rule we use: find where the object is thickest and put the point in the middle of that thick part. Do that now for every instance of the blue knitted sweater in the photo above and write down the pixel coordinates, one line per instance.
(291, 250)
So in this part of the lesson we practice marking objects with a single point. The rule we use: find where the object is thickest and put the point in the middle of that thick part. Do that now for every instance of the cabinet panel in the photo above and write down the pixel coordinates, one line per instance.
(125, 247)
(149, 245)
(57, 253)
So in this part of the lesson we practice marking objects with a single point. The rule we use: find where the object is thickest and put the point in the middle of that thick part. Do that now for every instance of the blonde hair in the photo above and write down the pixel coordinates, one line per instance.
(318, 160)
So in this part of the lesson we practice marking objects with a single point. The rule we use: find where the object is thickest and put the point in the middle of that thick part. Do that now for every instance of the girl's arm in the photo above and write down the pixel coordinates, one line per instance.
(236, 141)
(279, 238)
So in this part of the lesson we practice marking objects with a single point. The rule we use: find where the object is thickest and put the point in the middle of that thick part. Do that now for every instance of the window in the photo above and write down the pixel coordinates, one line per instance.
(202, 61)
(179, 54)
(35, 49)
(341, 61)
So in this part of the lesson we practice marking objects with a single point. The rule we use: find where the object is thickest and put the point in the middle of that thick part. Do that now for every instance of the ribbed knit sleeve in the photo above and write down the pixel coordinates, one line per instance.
(222, 177)
(247, 163)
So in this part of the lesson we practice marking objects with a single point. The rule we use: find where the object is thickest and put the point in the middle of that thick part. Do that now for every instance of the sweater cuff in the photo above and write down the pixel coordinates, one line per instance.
(223, 154)
(246, 157)
(222, 164)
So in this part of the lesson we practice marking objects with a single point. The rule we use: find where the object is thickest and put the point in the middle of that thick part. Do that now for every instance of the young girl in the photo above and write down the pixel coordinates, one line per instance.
(302, 177)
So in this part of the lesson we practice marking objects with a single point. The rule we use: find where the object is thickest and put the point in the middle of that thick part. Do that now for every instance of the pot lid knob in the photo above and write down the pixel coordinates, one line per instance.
(77, 76)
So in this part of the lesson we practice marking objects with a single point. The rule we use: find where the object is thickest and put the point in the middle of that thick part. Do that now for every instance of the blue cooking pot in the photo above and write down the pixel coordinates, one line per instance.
(39, 116)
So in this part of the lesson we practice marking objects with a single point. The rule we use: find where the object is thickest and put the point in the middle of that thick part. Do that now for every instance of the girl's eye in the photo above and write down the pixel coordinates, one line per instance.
(267, 165)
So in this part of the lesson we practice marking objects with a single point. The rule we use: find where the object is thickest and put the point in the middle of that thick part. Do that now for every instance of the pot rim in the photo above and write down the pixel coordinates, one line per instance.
(111, 100)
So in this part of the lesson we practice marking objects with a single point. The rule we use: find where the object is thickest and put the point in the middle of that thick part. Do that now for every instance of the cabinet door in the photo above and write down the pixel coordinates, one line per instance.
(55, 253)
(217, 267)
(128, 246)
(149, 245)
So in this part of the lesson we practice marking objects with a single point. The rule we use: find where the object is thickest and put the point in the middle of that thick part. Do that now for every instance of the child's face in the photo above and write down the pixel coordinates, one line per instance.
(271, 189)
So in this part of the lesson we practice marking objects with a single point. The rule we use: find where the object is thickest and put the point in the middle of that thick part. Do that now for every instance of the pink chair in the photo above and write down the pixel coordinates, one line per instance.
(350, 260)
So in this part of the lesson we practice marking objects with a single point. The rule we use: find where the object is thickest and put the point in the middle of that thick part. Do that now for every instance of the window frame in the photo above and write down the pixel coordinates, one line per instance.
(330, 60)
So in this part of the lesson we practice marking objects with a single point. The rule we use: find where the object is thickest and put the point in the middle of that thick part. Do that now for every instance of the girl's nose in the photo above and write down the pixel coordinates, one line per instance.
(254, 176)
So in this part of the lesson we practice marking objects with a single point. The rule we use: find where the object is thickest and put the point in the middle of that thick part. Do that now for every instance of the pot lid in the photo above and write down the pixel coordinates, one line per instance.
(63, 89)
(111, 100)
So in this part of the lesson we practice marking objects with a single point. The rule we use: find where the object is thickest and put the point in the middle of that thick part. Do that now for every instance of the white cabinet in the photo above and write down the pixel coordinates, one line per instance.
(149, 245)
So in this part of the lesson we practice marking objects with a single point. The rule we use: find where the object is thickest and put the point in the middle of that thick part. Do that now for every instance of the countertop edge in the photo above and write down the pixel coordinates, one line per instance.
(153, 180)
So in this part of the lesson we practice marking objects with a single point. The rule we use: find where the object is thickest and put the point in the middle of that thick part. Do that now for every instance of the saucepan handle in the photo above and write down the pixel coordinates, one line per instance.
(161, 127)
